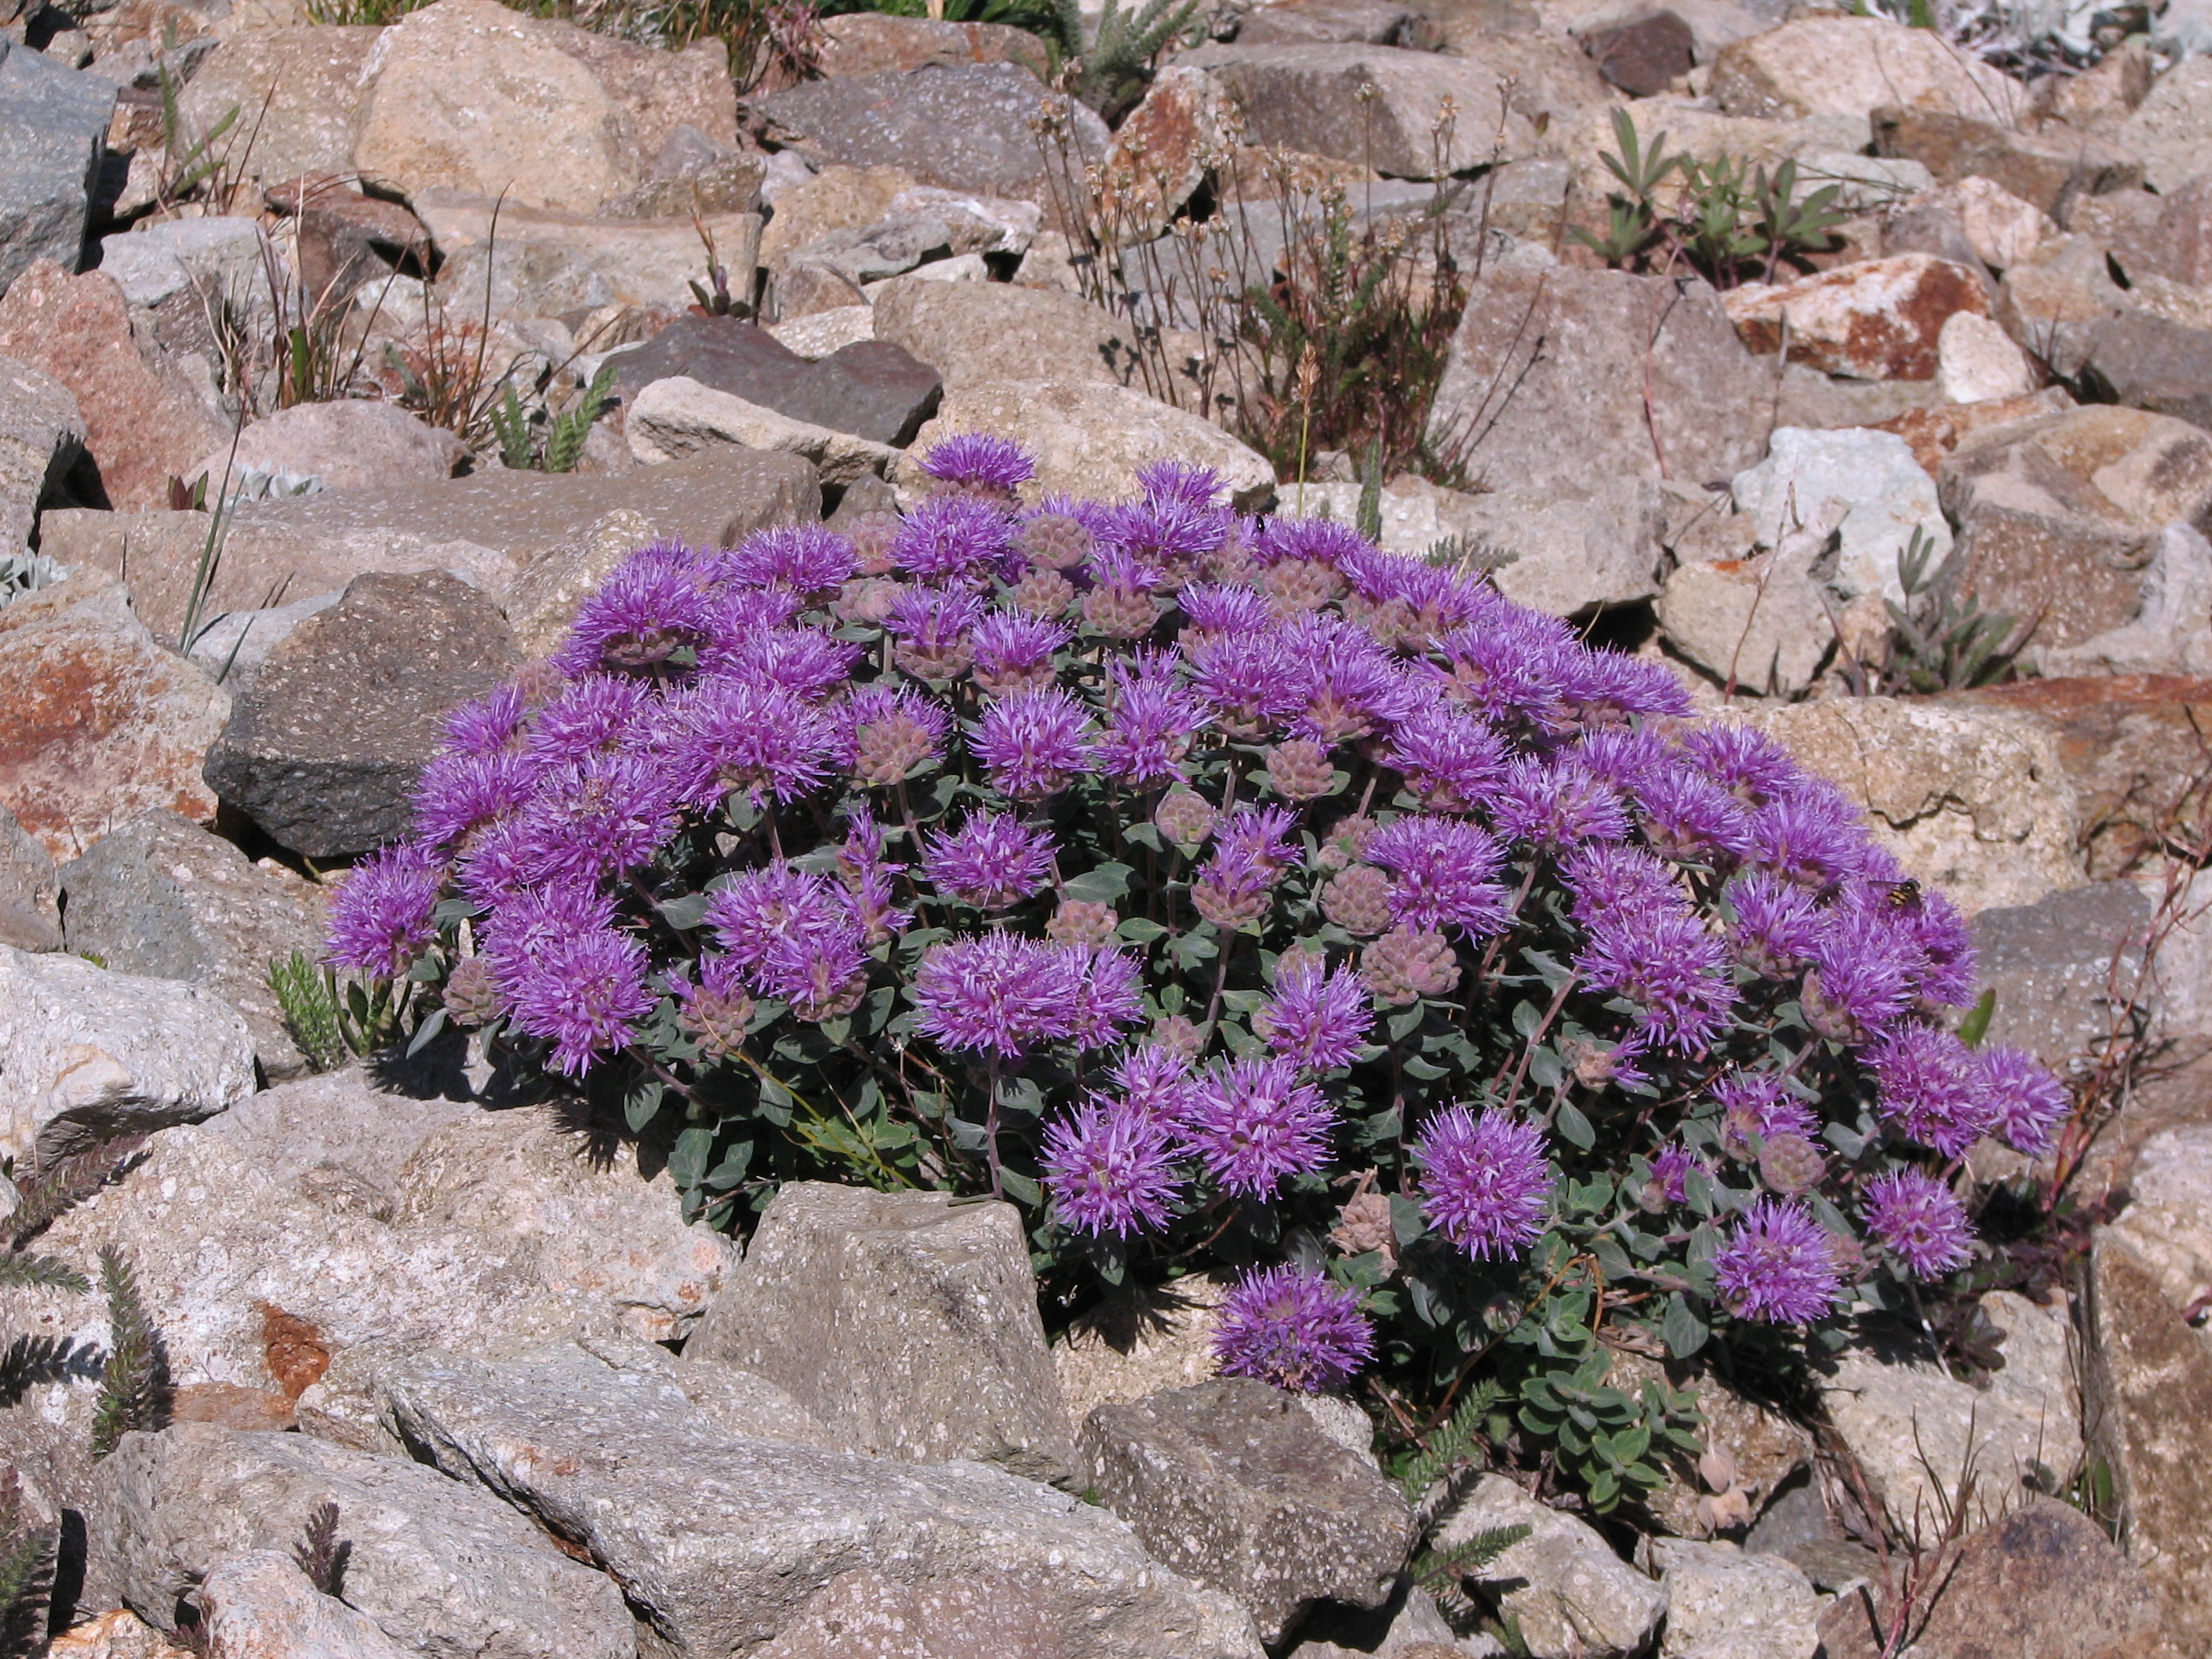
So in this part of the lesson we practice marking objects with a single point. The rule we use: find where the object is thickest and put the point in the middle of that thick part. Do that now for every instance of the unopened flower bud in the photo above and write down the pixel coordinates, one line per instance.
(1121, 613)
(1185, 818)
(1045, 593)
(1363, 1224)
(1408, 964)
(1300, 770)
(1358, 901)
(471, 998)
(1790, 1165)
(717, 1024)
(1078, 922)
(1297, 586)
(871, 535)
(1178, 1035)
(865, 600)
(1054, 540)
(938, 663)
(886, 751)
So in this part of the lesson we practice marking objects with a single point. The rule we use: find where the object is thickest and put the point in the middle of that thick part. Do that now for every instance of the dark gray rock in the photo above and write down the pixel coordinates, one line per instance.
(442, 1566)
(30, 890)
(1551, 370)
(904, 1323)
(714, 501)
(2155, 363)
(53, 132)
(965, 126)
(322, 752)
(870, 388)
(720, 1541)
(162, 898)
(1642, 56)
(1232, 1483)
(2049, 964)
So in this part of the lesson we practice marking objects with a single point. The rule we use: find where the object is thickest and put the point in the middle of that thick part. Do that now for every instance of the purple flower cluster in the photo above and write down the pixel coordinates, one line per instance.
(1485, 1182)
(1291, 1327)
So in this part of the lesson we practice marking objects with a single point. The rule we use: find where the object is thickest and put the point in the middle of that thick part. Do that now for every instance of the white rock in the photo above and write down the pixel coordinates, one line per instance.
(1886, 497)
(678, 417)
(2168, 1220)
(1976, 361)
(2003, 229)
(85, 1053)
(821, 332)
(1571, 1593)
(260, 1606)
(1760, 1606)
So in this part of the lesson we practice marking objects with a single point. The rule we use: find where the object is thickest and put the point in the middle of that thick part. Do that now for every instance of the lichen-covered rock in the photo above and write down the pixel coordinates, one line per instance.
(1721, 1601)
(906, 1323)
(161, 897)
(1876, 320)
(1571, 1593)
(86, 1054)
(721, 1542)
(442, 1567)
(1232, 1484)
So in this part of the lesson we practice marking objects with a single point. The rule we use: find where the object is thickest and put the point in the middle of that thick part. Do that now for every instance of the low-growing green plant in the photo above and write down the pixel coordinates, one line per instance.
(1222, 893)
(27, 1572)
(134, 1383)
(551, 443)
(1728, 222)
(1940, 641)
(1110, 71)
(332, 1019)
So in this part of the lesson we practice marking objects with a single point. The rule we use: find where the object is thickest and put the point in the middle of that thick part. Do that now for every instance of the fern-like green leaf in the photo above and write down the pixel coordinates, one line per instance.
(1466, 1558)
(133, 1388)
(27, 1574)
(46, 1195)
(307, 997)
(44, 1272)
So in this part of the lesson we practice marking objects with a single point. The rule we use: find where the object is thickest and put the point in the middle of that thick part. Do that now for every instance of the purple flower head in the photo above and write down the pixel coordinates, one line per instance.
(1013, 650)
(999, 993)
(1779, 1265)
(1863, 977)
(1811, 836)
(954, 536)
(582, 992)
(779, 924)
(1035, 743)
(1232, 888)
(1606, 878)
(1507, 667)
(1628, 757)
(1670, 1171)
(1777, 929)
(1292, 1328)
(1261, 834)
(1227, 609)
(2029, 1103)
(991, 861)
(1156, 1080)
(1932, 1088)
(596, 715)
(381, 920)
(867, 879)
(488, 725)
(1251, 679)
(1150, 723)
(805, 559)
(1604, 687)
(1555, 804)
(933, 625)
(1449, 759)
(1749, 764)
(1920, 1221)
(1178, 483)
(1946, 945)
(602, 816)
(1110, 1170)
(890, 730)
(980, 462)
(1167, 538)
(1108, 993)
(1318, 541)
(1661, 958)
(729, 735)
(1409, 602)
(1352, 688)
(458, 794)
(805, 661)
(1690, 820)
(1442, 870)
(650, 608)
(1485, 1183)
(1253, 1124)
(1758, 1104)
(1317, 1017)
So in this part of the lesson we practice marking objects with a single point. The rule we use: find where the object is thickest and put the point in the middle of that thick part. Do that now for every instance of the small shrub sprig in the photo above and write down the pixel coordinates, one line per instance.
(1223, 892)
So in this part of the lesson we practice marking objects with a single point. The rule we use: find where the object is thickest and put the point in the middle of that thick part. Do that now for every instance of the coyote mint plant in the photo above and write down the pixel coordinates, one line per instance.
(1224, 892)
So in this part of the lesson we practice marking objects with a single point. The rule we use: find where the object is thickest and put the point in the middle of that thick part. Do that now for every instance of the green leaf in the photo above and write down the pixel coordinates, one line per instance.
(1021, 1188)
(686, 912)
(1976, 1025)
(1103, 885)
(1683, 1331)
(687, 1159)
(1575, 1128)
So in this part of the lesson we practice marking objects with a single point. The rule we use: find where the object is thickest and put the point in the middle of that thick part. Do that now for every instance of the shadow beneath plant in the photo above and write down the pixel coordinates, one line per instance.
(1137, 1313)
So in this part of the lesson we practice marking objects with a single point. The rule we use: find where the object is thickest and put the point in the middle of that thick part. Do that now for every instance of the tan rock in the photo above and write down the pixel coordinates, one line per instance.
(293, 97)
(353, 444)
(816, 335)
(870, 42)
(974, 332)
(542, 601)
(546, 264)
(1754, 1447)
(677, 418)
(1976, 803)
(1875, 319)
(261, 1606)
(143, 424)
(1089, 438)
(2003, 229)
(41, 435)
(1976, 361)
(102, 722)
(471, 96)
(1138, 1344)
(1848, 65)
(2172, 128)
(121, 1634)
(2045, 168)
(838, 197)
(1162, 151)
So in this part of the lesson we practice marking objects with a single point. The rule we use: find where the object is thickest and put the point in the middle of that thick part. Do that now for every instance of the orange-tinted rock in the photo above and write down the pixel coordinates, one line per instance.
(1934, 430)
(1876, 319)
(870, 42)
(102, 722)
(142, 425)
(2042, 167)
(1164, 148)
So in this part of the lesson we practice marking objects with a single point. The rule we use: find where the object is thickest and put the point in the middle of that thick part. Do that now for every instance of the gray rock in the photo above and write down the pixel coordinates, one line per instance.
(53, 132)
(1232, 1484)
(972, 331)
(542, 602)
(1572, 554)
(1408, 1620)
(1726, 1604)
(30, 890)
(2168, 634)
(716, 500)
(720, 1543)
(964, 126)
(871, 1615)
(2050, 963)
(906, 1324)
(187, 271)
(322, 752)
(1546, 383)
(261, 1606)
(678, 418)
(692, 169)
(546, 265)
(1872, 475)
(1759, 624)
(86, 1054)
(347, 1119)
(233, 647)
(442, 1567)
(353, 444)
(1570, 1593)
(1374, 22)
(301, 89)
(871, 388)
(2155, 362)
(41, 435)
(161, 896)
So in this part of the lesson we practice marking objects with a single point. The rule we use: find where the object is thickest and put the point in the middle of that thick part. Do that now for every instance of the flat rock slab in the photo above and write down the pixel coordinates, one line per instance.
(85, 1054)
(442, 1566)
(902, 1320)
(870, 388)
(721, 1542)
(50, 151)
(965, 126)
(323, 752)
(1232, 1484)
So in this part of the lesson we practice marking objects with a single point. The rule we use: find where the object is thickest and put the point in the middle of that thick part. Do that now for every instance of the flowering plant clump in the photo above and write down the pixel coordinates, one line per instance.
(1221, 892)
